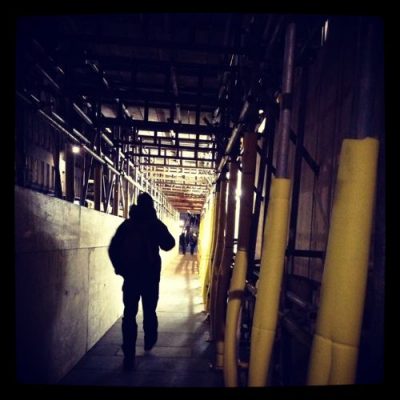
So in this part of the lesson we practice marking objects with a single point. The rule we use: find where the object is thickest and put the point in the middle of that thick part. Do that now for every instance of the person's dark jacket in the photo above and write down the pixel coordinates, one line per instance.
(134, 249)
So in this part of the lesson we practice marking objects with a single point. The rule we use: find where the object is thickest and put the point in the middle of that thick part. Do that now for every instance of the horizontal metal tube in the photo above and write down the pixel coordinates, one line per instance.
(58, 126)
(35, 99)
(107, 140)
(23, 97)
(113, 169)
(93, 154)
(55, 115)
(297, 300)
(48, 77)
(83, 138)
(82, 114)
(306, 253)
(108, 160)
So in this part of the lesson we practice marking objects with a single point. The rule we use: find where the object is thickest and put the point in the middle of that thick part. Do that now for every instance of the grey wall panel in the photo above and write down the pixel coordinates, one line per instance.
(64, 283)
(51, 313)
(105, 295)
(97, 228)
(44, 223)
(71, 325)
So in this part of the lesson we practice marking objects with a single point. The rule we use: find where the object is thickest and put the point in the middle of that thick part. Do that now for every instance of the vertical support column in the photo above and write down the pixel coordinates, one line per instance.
(257, 207)
(56, 160)
(271, 126)
(275, 236)
(116, 196)
(69, 156)
(297, 167)
(364, 115)
(87, 170)
(69, 173)
(115, 206)
(98, 186)
(286, 103)
(126, 192)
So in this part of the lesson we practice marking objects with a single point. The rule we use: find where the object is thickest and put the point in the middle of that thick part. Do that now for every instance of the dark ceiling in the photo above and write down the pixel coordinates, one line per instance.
(166, 90)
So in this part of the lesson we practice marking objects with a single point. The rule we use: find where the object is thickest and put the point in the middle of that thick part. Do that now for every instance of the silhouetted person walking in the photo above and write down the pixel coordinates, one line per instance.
(182, 242)
(192, 242)
(134, 252)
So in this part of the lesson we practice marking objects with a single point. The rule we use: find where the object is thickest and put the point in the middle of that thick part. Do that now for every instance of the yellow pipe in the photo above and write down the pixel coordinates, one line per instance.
(205, 245)
(204, 235)
(200, 238)
(236, 291)
(201, 245)
(210, 251)
(335, 346)
(238, 280)
(224, 270)
(269, 283)
(214, 235)
(217, 254)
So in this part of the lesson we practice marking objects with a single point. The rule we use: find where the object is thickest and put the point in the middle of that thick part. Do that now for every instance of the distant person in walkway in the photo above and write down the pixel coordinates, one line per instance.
(134, 252)
(182, 243)
(192, 242)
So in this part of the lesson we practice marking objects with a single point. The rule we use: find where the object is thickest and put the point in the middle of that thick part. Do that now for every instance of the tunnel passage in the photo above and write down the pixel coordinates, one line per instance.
(212, 115)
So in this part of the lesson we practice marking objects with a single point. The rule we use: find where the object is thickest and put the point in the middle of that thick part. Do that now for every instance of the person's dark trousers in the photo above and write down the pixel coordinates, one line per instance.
(131, 296)
(150, 322)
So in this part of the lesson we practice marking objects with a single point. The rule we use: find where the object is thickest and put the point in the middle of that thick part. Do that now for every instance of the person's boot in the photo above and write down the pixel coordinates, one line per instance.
(150, 341)
(129, 363)
(129, 335)
(150, 327)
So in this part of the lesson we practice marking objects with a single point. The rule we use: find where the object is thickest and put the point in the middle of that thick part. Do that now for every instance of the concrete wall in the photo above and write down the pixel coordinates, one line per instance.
(67, 295)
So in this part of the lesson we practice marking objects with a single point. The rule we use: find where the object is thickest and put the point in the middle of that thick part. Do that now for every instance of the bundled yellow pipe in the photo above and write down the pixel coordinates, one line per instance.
(205, 245)
(269, 283)
(200, 237)
(210, 250)
(236, 291)
(202, 242)
(224, 269)
(206, 248)
(335, 346)
(238, 280)
(217, 254)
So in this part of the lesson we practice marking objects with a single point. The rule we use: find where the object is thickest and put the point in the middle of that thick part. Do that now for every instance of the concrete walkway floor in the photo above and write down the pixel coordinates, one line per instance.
(182, 354)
